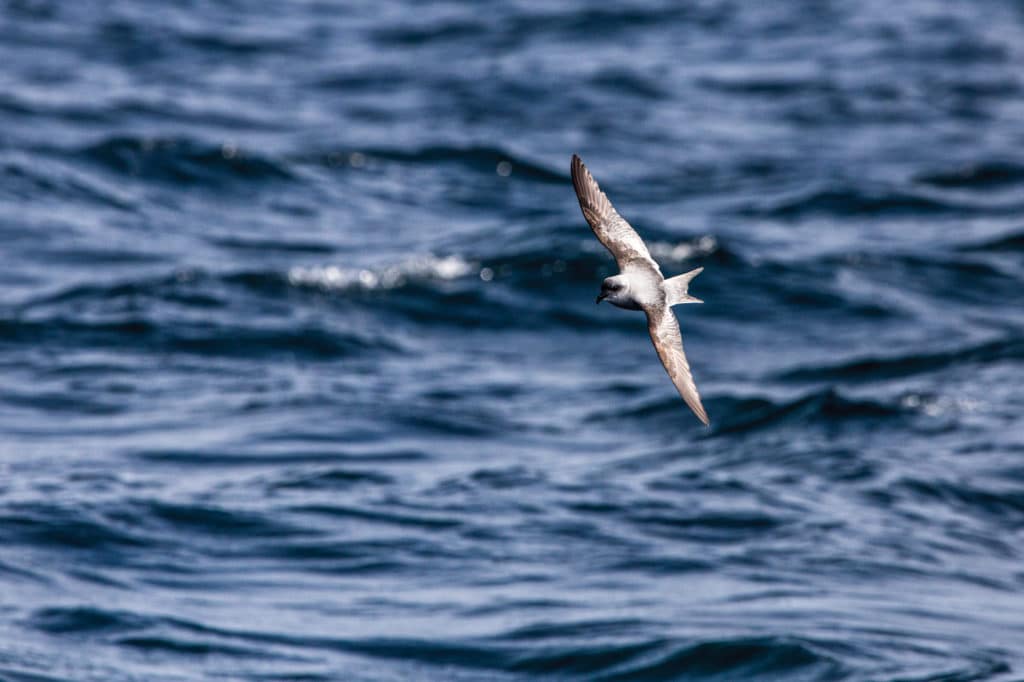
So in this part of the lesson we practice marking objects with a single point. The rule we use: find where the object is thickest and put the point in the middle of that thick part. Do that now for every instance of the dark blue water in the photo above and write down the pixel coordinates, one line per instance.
(301, 376)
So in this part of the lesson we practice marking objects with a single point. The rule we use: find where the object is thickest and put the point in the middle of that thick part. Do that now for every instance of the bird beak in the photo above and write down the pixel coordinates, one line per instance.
(601, 298)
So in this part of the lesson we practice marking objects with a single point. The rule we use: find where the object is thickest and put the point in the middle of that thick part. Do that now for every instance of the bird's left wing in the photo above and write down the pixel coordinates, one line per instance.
(664, 329)
(611, 229)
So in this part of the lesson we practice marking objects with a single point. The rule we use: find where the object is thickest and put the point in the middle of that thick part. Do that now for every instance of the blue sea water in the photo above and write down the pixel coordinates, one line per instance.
(301, 377)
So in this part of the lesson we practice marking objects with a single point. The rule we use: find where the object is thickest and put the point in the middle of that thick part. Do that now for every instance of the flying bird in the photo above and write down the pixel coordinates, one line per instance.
(640, 284)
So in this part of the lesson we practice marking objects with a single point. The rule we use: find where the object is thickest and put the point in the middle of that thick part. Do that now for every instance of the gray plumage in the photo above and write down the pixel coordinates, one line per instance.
(640, 284)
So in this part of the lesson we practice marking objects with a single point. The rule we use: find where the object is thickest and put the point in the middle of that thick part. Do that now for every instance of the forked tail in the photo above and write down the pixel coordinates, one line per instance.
(675, 288)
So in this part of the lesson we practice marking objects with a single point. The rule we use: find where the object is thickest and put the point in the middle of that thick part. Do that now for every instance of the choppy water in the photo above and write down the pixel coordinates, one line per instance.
(302, 377)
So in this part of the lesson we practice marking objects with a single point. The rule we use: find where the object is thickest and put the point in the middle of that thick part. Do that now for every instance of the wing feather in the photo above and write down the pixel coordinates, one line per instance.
(611, 229)
(664, 329)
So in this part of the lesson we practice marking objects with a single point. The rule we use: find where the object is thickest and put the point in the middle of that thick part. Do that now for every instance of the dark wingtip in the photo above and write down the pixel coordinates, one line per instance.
(594, 203)
(579, 174)
(699, 412)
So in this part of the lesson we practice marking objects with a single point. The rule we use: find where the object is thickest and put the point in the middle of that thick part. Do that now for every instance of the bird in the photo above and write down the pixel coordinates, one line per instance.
(640, 284)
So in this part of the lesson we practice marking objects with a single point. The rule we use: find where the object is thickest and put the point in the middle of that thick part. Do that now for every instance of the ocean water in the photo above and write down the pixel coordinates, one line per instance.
(301, 376)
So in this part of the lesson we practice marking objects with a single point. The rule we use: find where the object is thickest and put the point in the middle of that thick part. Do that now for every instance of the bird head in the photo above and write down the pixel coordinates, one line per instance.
(613, 289)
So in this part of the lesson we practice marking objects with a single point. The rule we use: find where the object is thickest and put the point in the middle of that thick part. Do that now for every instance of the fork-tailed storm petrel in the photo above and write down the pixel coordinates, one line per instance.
(640, 284)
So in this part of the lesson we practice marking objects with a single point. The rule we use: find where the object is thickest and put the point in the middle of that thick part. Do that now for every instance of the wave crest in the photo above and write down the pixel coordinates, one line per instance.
(425, 267)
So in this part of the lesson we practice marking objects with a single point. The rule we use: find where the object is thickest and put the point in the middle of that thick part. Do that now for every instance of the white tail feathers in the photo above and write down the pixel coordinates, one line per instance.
(676, 288)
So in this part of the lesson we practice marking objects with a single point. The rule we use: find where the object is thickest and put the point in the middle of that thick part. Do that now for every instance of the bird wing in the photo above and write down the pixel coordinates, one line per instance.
(664, 329)
(611, 229)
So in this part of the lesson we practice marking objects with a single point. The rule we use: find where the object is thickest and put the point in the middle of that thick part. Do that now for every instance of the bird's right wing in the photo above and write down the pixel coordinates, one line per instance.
(664, 329)
(611, 229)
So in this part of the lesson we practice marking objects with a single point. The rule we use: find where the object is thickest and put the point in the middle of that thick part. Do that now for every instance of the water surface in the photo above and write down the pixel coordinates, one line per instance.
(303, 378)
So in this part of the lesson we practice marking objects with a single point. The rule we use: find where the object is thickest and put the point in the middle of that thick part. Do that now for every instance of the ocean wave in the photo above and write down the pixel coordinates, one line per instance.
(276, 244)
(59, 180)
(184, 161)
(1005, 505)
(197, 520)
(58, 620)
(185, 647)
(139, 631)
(776, 85)
(628, 83)
(187, 311)
(48, 525)
(380, 516)
(725, 526)
(871, 369)
(417, 268)
(332, 478)
(736, 414)
(415, 35)
(767, 658)
(846, 201)
(125, 332)
(483, 159)
(499, 293)
(980, 175)
(827, 406)
(591, 21)
(1011, 242)
(290, 456)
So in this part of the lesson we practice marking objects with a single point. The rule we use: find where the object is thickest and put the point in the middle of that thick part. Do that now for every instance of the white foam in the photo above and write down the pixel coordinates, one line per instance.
(939, 405)
(680, 251)
(334, 277)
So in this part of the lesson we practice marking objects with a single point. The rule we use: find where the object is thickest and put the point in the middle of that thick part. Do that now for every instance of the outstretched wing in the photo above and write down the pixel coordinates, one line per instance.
(664, 329)
(611, 229)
